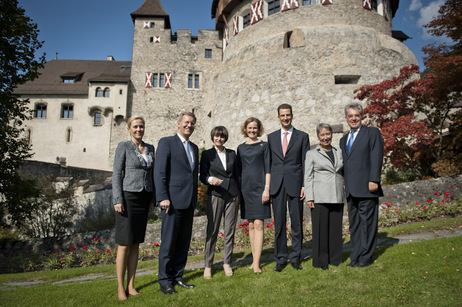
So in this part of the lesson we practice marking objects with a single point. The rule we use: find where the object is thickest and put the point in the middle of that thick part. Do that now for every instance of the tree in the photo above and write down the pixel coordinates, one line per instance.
(392, 106)
(52, 212)
(445, 62)
(18, 44)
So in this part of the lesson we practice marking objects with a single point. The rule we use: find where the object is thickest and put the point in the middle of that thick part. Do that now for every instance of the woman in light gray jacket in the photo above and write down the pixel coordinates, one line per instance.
(325, 196)
(133, 197)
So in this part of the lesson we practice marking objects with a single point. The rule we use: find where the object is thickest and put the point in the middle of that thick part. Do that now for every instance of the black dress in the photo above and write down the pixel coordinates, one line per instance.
(254, 162)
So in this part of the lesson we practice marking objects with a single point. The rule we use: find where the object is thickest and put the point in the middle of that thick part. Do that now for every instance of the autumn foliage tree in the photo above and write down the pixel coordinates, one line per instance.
(392, 106)
(445, 62)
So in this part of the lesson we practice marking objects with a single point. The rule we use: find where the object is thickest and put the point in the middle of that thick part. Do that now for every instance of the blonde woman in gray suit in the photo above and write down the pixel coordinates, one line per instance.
(325, 196)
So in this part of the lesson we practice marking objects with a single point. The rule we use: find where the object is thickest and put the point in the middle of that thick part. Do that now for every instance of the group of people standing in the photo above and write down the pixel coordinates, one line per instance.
(281, 174)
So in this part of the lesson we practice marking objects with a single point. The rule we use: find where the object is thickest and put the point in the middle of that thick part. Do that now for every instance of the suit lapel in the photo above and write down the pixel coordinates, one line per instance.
(293, 139)
(325, 157)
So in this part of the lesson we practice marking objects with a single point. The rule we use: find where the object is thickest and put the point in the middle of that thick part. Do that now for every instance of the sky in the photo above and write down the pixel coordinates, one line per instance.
(94, 29)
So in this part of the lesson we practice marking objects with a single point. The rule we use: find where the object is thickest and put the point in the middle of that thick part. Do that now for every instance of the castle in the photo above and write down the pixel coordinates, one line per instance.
(311, 54)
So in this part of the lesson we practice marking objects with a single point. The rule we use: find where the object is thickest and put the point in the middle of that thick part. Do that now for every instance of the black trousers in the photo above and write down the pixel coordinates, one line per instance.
(326, 220)
(174, 247)
(363, 214)
(281, 201)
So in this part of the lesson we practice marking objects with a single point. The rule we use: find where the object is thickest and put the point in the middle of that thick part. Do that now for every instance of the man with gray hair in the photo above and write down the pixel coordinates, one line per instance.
(362, 151)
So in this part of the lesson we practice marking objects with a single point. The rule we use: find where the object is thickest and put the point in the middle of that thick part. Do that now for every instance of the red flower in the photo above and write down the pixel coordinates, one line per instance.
(84, 247)
(425, 208)
(73, 248)
(396, 211)
(437, 193)
(108, 251)
(440, 202)
(61, 259)
(156, 244)
(386, 210)
(272, 222)
(53, 252)
(388, 204)
(97, 252)
(417, 203)
(96, 239)
(269, 225)
(452, 188)
(246, 224)
(446, 199)
(429, 201)
(446, 194)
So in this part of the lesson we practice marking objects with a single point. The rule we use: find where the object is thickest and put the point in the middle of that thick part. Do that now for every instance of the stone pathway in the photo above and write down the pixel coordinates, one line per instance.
(266, 258)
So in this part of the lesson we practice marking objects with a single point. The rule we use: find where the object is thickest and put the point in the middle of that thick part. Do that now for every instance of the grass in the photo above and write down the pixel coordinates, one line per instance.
(420, 273)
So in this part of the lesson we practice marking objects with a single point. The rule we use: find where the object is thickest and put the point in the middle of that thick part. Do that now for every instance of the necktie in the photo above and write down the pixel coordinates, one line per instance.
(350, 141)
(188, 154)
(284, 144)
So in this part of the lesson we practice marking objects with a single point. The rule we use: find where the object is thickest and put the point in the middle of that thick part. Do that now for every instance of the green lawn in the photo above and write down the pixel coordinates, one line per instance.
(416, 274)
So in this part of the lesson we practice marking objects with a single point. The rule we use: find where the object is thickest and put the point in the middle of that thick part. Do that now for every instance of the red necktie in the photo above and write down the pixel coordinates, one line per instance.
(284, 144)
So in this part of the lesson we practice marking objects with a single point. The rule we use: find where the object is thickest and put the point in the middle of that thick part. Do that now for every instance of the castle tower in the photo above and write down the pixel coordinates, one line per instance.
(311, 54)
(170, 72)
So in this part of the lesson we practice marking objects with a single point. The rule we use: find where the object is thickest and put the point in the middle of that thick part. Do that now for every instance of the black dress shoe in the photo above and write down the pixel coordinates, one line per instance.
(168, 289)
(352, 264)
(296, 265)
(279, 267)
(182, 284)
(363, 264)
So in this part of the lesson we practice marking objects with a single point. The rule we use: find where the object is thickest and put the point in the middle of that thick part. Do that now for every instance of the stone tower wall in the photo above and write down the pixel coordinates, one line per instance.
(161, 106)
(258, 73)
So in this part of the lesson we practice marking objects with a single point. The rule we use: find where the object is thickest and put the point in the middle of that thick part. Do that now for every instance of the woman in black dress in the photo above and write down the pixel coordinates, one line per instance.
(133, 195)
(254, 162)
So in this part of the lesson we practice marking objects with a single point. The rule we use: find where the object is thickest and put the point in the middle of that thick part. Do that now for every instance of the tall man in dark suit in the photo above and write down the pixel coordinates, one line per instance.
(175, 177)
(362, 151)
(288, 149)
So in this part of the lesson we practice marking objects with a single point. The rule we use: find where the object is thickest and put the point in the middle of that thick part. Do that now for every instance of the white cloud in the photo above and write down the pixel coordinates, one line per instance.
(415, 5)
(429, 12)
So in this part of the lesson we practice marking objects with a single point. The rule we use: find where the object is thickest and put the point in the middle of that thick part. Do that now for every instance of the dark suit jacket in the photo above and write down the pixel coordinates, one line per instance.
(288, 169)
(364, 163)
(211, 166)
(173, 176)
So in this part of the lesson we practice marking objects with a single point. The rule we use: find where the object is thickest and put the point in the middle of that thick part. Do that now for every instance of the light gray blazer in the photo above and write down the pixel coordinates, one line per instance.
(131, 172)
(323, 180)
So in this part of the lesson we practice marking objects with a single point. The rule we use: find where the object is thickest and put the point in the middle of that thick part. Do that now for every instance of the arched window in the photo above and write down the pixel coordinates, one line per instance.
(99, 92)
(106, 92)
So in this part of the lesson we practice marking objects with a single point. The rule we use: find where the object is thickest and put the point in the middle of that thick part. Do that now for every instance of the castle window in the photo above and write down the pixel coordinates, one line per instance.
(106, 92)
(97, 118)
(347, 79)
(246, 20)
(29, 136)
(161, 80)
(208, 53)
(68, 80)
(99, 92)
(152, 25)
(155, 80)
(274, 6)
(67, 111)
(120, 92)
(40, 110)
(310, 2)
(151, 39)
(68, 135)
(193, 81)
